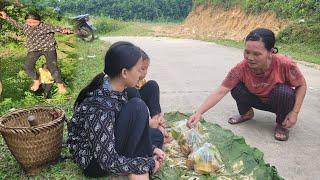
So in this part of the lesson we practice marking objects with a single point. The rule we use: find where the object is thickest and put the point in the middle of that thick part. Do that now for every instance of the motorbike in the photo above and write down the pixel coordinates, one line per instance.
(83, 27)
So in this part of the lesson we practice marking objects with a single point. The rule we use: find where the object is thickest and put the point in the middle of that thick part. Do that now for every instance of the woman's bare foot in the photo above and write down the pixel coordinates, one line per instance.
(35, 85)
(241, 118)
(61, 88)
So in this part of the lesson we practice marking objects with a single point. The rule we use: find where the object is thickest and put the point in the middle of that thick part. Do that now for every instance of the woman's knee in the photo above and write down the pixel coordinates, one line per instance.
(132, 92)
(239, 91)
(152, 84)
(282, 91)
(138, 104)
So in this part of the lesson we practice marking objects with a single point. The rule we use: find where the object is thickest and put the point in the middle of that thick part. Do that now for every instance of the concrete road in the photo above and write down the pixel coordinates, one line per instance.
(188, 70)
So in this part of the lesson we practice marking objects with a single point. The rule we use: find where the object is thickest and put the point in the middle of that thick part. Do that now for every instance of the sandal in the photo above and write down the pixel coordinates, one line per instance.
(241, 118)
(279, 130)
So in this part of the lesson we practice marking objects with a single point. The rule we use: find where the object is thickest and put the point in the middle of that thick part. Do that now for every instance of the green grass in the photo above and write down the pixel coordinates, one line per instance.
(299, 51)
(83, 70)
(16, 82)
(111, 27)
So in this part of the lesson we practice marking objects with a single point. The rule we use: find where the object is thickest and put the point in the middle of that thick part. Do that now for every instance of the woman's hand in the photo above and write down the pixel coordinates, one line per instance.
(162, 121)
(193, 120)
(157, 166)
(290, 120)
(160, 155)
(66, 31)
(3, 15)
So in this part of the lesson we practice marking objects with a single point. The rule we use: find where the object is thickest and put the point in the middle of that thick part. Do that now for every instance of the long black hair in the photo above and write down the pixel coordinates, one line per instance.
(264, 35)
(120, 55)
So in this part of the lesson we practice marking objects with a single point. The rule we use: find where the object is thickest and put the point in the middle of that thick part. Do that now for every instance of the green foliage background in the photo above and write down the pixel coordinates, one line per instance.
(151, 10)
(292, 9)
(301, 38)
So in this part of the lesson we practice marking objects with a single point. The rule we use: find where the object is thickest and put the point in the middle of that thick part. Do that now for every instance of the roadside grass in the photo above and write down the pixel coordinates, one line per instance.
(305, 52)
(111, 27)
(300, 51)
(80, 63)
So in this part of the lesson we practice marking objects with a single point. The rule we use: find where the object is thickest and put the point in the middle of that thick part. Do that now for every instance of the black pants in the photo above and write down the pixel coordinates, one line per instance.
(46, 89)
(51, 61)
(133, 137)
(150, 94)
(280, 101)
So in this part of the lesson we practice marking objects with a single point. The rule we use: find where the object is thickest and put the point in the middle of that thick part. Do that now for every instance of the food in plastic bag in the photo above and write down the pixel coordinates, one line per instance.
(190, 140)
(181, 126)
(178, 128)
(190, 162)
(206, 159)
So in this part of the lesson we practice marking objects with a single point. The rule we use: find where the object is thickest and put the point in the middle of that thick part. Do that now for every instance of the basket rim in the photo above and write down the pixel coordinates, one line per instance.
(39, 127)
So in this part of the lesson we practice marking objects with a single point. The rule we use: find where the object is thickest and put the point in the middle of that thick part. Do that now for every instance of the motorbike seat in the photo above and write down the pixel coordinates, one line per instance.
(79, 17)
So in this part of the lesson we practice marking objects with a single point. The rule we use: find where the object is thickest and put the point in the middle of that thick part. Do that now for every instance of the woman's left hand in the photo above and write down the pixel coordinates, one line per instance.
(290, 120)
(160, 154)
(66, 31)
(162, 121)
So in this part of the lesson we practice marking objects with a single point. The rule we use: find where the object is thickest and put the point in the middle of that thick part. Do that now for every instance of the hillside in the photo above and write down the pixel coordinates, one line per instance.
(205, 22)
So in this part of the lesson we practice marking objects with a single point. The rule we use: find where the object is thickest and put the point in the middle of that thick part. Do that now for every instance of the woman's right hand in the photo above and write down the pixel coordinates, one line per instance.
(3, 15)
(193, 120)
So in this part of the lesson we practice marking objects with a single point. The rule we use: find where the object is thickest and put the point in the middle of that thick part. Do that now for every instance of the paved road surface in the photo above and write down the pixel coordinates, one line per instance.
(188, 70)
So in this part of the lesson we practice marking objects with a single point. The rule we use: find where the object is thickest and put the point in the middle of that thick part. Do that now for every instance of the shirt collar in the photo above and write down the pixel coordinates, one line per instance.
(106, 86)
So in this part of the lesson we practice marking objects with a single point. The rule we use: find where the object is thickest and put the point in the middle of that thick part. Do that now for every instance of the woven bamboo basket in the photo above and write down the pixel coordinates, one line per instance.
(34, 147)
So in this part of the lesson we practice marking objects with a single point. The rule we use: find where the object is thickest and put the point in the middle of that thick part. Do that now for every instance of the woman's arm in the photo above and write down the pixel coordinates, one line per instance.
(292, 117)
(300, 94)
(4, 15)
(211, 101)
(53, 29)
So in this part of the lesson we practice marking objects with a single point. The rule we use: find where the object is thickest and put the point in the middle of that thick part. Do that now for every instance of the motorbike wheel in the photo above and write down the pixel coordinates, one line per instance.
(86, 33)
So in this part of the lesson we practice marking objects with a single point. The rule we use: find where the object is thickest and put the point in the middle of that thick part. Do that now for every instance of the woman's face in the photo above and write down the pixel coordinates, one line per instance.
(131, 76)
(256, 54)
(32, 22)
(144, 68)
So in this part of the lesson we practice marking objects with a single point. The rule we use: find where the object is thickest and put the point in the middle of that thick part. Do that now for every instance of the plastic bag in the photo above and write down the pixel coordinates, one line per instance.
(206, 159)
(190, 140)
(178, 128)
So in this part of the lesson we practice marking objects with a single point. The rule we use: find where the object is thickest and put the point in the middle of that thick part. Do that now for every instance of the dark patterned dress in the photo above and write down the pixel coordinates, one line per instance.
(39, 38)
(91, 135)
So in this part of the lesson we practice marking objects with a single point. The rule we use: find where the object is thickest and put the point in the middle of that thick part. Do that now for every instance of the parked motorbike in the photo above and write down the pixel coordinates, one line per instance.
(83, 27)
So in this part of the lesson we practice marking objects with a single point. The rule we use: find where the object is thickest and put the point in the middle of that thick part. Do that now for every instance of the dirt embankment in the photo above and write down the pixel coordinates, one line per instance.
(214, 22)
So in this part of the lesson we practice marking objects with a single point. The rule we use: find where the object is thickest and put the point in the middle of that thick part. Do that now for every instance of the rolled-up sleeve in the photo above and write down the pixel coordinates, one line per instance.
(233, 78)
(294, 75)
